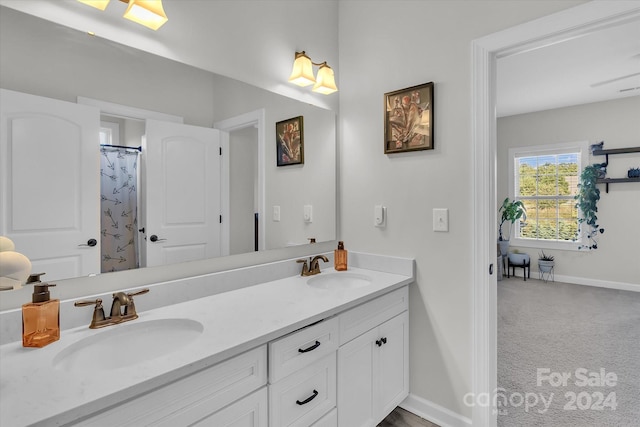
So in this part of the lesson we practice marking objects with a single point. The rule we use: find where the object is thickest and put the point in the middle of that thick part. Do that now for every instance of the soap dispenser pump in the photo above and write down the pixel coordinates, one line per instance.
(40, 317)
(340, 257)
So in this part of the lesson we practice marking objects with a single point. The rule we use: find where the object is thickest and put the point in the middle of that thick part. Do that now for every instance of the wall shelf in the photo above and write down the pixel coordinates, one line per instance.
(613, 151)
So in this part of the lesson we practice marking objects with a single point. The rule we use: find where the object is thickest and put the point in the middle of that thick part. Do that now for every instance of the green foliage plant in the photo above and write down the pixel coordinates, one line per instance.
(544, 257)
(512, 211)
(587, 201)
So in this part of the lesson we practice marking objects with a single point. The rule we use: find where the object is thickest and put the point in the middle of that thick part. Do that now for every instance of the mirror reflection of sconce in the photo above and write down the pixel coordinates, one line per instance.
(302, 75)
(15, 268)
(149, 13)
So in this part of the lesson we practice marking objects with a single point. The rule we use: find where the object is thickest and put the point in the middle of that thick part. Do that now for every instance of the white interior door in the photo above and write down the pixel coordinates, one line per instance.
(50, 191)
(181, 205)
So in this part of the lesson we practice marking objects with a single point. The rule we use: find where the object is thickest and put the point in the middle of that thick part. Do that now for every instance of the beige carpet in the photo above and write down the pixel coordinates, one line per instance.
(568, 355)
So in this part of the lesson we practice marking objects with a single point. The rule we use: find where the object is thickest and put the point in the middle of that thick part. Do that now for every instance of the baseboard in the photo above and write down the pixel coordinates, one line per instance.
(433, 412)
(598, 283)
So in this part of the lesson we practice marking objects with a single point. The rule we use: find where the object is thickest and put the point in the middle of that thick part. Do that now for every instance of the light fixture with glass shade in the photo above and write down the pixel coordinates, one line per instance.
(98, 4)
(302, 75)
(149, 13)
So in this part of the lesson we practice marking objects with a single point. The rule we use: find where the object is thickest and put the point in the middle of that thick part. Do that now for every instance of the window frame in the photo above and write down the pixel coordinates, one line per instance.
(581, 147)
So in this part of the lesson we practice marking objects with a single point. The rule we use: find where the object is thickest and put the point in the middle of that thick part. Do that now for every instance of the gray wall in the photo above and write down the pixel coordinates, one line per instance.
(390, 45)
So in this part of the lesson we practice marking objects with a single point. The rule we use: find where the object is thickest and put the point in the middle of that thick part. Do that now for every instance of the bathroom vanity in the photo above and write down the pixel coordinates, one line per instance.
(325, 350)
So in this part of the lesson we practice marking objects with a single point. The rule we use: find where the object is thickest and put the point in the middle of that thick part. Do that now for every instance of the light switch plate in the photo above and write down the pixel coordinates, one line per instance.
(379, 216)
(276, 213)
(308, 213)
(441, 220)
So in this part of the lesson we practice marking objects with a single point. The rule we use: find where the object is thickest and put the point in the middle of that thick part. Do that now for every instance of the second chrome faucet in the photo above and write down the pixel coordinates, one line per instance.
(313, 267)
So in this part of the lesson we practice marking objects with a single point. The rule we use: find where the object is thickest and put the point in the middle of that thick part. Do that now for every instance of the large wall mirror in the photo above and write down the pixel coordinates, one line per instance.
(44, 59)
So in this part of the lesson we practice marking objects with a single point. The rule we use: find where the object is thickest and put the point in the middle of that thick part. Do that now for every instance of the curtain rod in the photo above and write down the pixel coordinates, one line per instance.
(122, 146)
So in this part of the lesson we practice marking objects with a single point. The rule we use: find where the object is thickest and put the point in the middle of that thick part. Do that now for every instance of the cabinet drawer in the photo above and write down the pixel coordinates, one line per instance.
(329, 420)
(248, 412)
(194, 397)
(305, 396)
(367, 316)
(301, 348)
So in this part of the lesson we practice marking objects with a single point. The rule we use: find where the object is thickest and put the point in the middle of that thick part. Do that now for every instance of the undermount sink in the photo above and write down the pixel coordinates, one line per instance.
(339, 280)
(127, 344)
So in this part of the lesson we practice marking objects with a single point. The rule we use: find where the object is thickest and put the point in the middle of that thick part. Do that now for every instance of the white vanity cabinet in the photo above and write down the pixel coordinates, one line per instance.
(199, 398)
(373, 367)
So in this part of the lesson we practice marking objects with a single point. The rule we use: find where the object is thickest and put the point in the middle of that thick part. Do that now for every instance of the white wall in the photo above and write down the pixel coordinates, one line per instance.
(616, 123)
(390, 45)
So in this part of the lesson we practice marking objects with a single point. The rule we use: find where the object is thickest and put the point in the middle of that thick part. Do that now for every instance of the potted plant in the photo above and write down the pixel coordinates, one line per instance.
(587, 201)
(545, 262)
(512, 211)
(517, 258)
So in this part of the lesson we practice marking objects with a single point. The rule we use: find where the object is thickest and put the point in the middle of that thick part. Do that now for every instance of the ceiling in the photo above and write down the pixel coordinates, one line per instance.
(598, 66)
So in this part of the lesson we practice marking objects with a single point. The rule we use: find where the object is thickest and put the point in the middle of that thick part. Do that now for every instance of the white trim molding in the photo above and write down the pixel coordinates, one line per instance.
(574, 22)
(585, 281)
(433, 412)
(251, 119)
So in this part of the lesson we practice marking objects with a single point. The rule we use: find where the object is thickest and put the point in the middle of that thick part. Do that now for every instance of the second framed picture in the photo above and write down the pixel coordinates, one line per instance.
(408, 119)
(290, 142)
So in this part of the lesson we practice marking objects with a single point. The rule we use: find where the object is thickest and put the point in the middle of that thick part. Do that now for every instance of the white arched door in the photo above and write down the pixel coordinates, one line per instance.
(181, 205)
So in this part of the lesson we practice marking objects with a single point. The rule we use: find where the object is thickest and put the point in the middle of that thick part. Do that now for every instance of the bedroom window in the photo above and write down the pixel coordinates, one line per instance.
(545, 179)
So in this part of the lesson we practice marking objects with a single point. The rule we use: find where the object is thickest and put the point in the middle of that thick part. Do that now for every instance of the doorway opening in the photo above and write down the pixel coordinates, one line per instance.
(485, 52)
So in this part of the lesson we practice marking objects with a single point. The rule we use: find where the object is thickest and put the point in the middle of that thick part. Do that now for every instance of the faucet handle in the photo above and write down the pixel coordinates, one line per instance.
(99, 318)
(130, 309)
(140, 292)
(305, 267)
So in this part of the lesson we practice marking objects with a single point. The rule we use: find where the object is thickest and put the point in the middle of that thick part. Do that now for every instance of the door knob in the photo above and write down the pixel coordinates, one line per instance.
(154, 238)
(90, 242)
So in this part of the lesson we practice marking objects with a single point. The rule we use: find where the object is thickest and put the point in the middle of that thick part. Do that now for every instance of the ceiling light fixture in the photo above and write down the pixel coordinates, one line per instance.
(302, 74)
(149, 13)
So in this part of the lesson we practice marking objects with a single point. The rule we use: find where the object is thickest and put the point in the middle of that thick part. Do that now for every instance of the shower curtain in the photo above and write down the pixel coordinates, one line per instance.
(118, 206)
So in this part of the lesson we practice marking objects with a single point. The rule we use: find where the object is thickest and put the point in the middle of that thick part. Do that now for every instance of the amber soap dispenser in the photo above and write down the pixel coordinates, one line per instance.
(340, 257)
(40, 318)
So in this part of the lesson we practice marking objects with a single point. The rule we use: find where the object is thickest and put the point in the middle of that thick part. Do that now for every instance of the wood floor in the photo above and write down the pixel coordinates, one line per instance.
(401, 418)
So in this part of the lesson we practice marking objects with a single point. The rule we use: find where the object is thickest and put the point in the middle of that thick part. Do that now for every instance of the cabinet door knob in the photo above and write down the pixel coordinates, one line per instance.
(308, 399)
(384, 340)
(379, 343)
(313, 347)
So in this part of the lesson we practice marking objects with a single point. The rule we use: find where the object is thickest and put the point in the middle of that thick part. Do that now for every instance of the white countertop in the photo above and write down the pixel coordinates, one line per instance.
(35, 393)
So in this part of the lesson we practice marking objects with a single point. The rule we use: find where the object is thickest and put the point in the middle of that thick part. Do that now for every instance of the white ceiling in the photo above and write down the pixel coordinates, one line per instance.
(599, 66)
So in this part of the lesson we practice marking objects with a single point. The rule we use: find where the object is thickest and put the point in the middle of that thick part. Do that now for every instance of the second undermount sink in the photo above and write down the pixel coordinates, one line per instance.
(339, 280)
(127, 344)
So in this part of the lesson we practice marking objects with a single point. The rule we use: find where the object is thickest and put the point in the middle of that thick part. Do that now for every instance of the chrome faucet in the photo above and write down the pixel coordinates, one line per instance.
(120, 300)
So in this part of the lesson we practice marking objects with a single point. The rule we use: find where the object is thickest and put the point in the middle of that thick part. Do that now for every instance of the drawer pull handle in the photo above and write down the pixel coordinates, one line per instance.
(308, 399)
(313, 347)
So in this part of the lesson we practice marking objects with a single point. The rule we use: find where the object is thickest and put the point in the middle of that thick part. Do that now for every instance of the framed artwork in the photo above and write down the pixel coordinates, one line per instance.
(408, 119)
(290, 142)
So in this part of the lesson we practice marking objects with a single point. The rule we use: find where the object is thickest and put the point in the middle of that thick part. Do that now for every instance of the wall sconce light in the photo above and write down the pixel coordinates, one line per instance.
(144, 12)
(302, 75)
